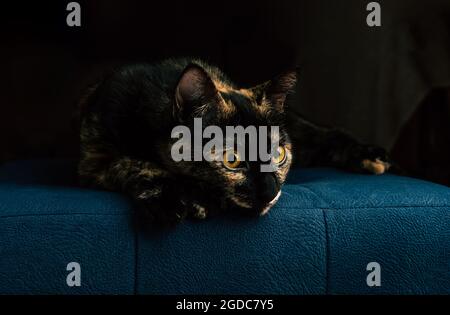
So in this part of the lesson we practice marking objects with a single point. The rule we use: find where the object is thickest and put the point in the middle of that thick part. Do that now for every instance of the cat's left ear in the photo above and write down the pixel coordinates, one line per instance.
(276, 90)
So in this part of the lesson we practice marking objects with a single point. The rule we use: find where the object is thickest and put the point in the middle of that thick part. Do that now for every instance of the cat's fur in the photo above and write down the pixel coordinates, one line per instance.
(126, 127)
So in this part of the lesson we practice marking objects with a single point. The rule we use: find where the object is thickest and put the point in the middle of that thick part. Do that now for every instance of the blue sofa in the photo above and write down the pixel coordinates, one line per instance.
(319, 239)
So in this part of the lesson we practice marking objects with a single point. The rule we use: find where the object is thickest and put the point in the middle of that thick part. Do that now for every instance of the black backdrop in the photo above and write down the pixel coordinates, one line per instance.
(366, 80)
(46, 64)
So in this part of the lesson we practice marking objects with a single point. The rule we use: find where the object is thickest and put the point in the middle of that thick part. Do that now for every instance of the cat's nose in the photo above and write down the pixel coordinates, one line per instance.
(269, 189)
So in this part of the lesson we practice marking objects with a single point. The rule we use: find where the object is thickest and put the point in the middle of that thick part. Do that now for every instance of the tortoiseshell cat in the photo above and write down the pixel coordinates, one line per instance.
(126, 141)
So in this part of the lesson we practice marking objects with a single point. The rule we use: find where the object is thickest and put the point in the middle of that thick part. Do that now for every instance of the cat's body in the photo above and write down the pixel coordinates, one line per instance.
(126, 140)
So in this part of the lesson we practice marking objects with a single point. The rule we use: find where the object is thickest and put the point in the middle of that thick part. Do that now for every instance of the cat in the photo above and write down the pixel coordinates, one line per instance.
(125, 135)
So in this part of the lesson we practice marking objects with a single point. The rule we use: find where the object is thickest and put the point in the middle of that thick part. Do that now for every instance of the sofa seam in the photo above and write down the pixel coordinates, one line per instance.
(327, 237)
(136, 261)
(327, 253)
(294, 207)
(338, 207)
(368, 207)
(61, 214)
(316, 194)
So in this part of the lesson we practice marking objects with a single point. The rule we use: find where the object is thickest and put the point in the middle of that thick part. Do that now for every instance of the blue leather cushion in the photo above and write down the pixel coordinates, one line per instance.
(46, 222)
(401, 223)
(319, 238)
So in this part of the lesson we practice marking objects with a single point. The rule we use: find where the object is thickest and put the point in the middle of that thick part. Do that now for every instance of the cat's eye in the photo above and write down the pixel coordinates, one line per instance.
(232, 160)
(280, 156)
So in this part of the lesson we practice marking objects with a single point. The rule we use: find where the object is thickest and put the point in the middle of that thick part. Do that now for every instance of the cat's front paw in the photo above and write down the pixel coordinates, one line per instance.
(199, 212)
(373, 160)
(194, 209)
(155, 207)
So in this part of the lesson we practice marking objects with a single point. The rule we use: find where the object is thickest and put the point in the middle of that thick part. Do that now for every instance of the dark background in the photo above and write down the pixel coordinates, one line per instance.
(387, 85)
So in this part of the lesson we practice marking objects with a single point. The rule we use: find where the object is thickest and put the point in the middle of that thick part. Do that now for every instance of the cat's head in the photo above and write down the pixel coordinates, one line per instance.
(202, 92)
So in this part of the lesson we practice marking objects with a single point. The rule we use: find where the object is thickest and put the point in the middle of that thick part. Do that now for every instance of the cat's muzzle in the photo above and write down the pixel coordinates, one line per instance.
(270, 204)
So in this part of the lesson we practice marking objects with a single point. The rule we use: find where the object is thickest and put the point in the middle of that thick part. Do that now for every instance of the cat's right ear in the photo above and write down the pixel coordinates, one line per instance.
(194, 90)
